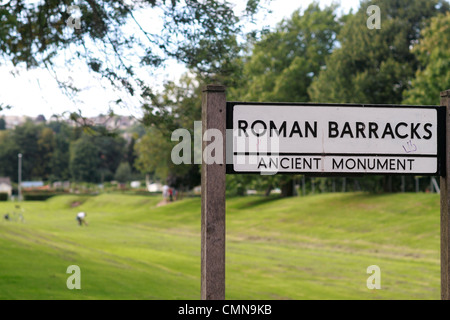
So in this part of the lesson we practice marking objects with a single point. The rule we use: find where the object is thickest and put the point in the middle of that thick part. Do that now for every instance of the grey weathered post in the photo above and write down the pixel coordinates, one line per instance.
(213, 199)
(445, 206)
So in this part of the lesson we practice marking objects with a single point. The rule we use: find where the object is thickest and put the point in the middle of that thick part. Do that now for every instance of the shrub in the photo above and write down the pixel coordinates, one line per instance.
(40, 196)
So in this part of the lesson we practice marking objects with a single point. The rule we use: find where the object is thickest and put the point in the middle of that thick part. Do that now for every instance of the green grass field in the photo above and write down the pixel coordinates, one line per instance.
(317, 247)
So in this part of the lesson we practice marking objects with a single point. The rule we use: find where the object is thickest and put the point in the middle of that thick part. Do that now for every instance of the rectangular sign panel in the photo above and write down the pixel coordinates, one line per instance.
(334, 139)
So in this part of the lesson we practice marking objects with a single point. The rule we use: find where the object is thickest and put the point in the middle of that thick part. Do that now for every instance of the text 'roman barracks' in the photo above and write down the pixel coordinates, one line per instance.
(354, 130)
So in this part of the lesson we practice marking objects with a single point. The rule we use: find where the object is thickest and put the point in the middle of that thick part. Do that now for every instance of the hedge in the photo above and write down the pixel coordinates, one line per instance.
(42, 196)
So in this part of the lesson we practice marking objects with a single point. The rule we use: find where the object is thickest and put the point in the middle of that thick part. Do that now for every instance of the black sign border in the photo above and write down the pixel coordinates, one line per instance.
(441, 137)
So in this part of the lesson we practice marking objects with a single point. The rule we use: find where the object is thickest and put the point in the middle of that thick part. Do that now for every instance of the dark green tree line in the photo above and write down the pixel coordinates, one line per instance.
(57, 151)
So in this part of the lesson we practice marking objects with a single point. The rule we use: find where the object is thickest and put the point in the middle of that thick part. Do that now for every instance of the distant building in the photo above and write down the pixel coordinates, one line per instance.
(154, 187)
(110, 122)
(135, 184)
(14, 121)
(197, 190)
(61, 185)
(32, 184)
(5, 186)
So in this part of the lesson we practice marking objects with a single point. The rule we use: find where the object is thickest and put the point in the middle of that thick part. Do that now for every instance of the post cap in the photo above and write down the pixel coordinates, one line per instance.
(214, 88)
(445, 93)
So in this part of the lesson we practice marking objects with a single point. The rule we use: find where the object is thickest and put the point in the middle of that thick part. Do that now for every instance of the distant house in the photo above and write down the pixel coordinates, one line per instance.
(5, 186)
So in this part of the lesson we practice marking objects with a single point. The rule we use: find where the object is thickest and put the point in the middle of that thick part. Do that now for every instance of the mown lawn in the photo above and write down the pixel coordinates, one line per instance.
(316, 247)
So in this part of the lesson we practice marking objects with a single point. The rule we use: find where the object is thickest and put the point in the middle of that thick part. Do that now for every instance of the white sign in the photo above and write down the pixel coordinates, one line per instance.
(337, 139)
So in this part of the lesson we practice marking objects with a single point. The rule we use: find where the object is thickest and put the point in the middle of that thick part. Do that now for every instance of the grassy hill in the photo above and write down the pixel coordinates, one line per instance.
(317, 247)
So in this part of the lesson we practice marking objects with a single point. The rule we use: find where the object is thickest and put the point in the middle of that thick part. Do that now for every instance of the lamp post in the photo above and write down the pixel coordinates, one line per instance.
(20, 177)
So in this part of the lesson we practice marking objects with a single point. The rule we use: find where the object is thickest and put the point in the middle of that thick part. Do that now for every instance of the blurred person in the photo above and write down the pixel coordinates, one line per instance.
(81, 218)
(165, 191)
(170, 194)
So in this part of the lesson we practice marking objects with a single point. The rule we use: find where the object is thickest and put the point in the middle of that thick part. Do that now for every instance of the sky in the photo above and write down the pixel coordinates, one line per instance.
(35, 92)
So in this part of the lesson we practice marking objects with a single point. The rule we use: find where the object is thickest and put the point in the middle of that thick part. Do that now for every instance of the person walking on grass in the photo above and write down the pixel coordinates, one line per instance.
(81, 218)
(170, 194)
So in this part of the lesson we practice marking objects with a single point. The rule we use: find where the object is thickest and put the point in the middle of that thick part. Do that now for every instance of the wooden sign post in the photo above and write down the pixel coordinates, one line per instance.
(325, 139)
(213, 198)
(445, 205)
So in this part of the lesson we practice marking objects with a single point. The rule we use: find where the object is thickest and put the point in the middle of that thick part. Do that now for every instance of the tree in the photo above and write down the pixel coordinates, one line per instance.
(27, 139)
(282, 66)
(375, 66)
(46, 146)
(176, 107)
(130, 153)
(433, 53)
(35, 143)
(201, 34)
(2, 123)
(153, 154)
(123, 173)
(60, 159)
(111, 149)
(85, 160)
(8, 155)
